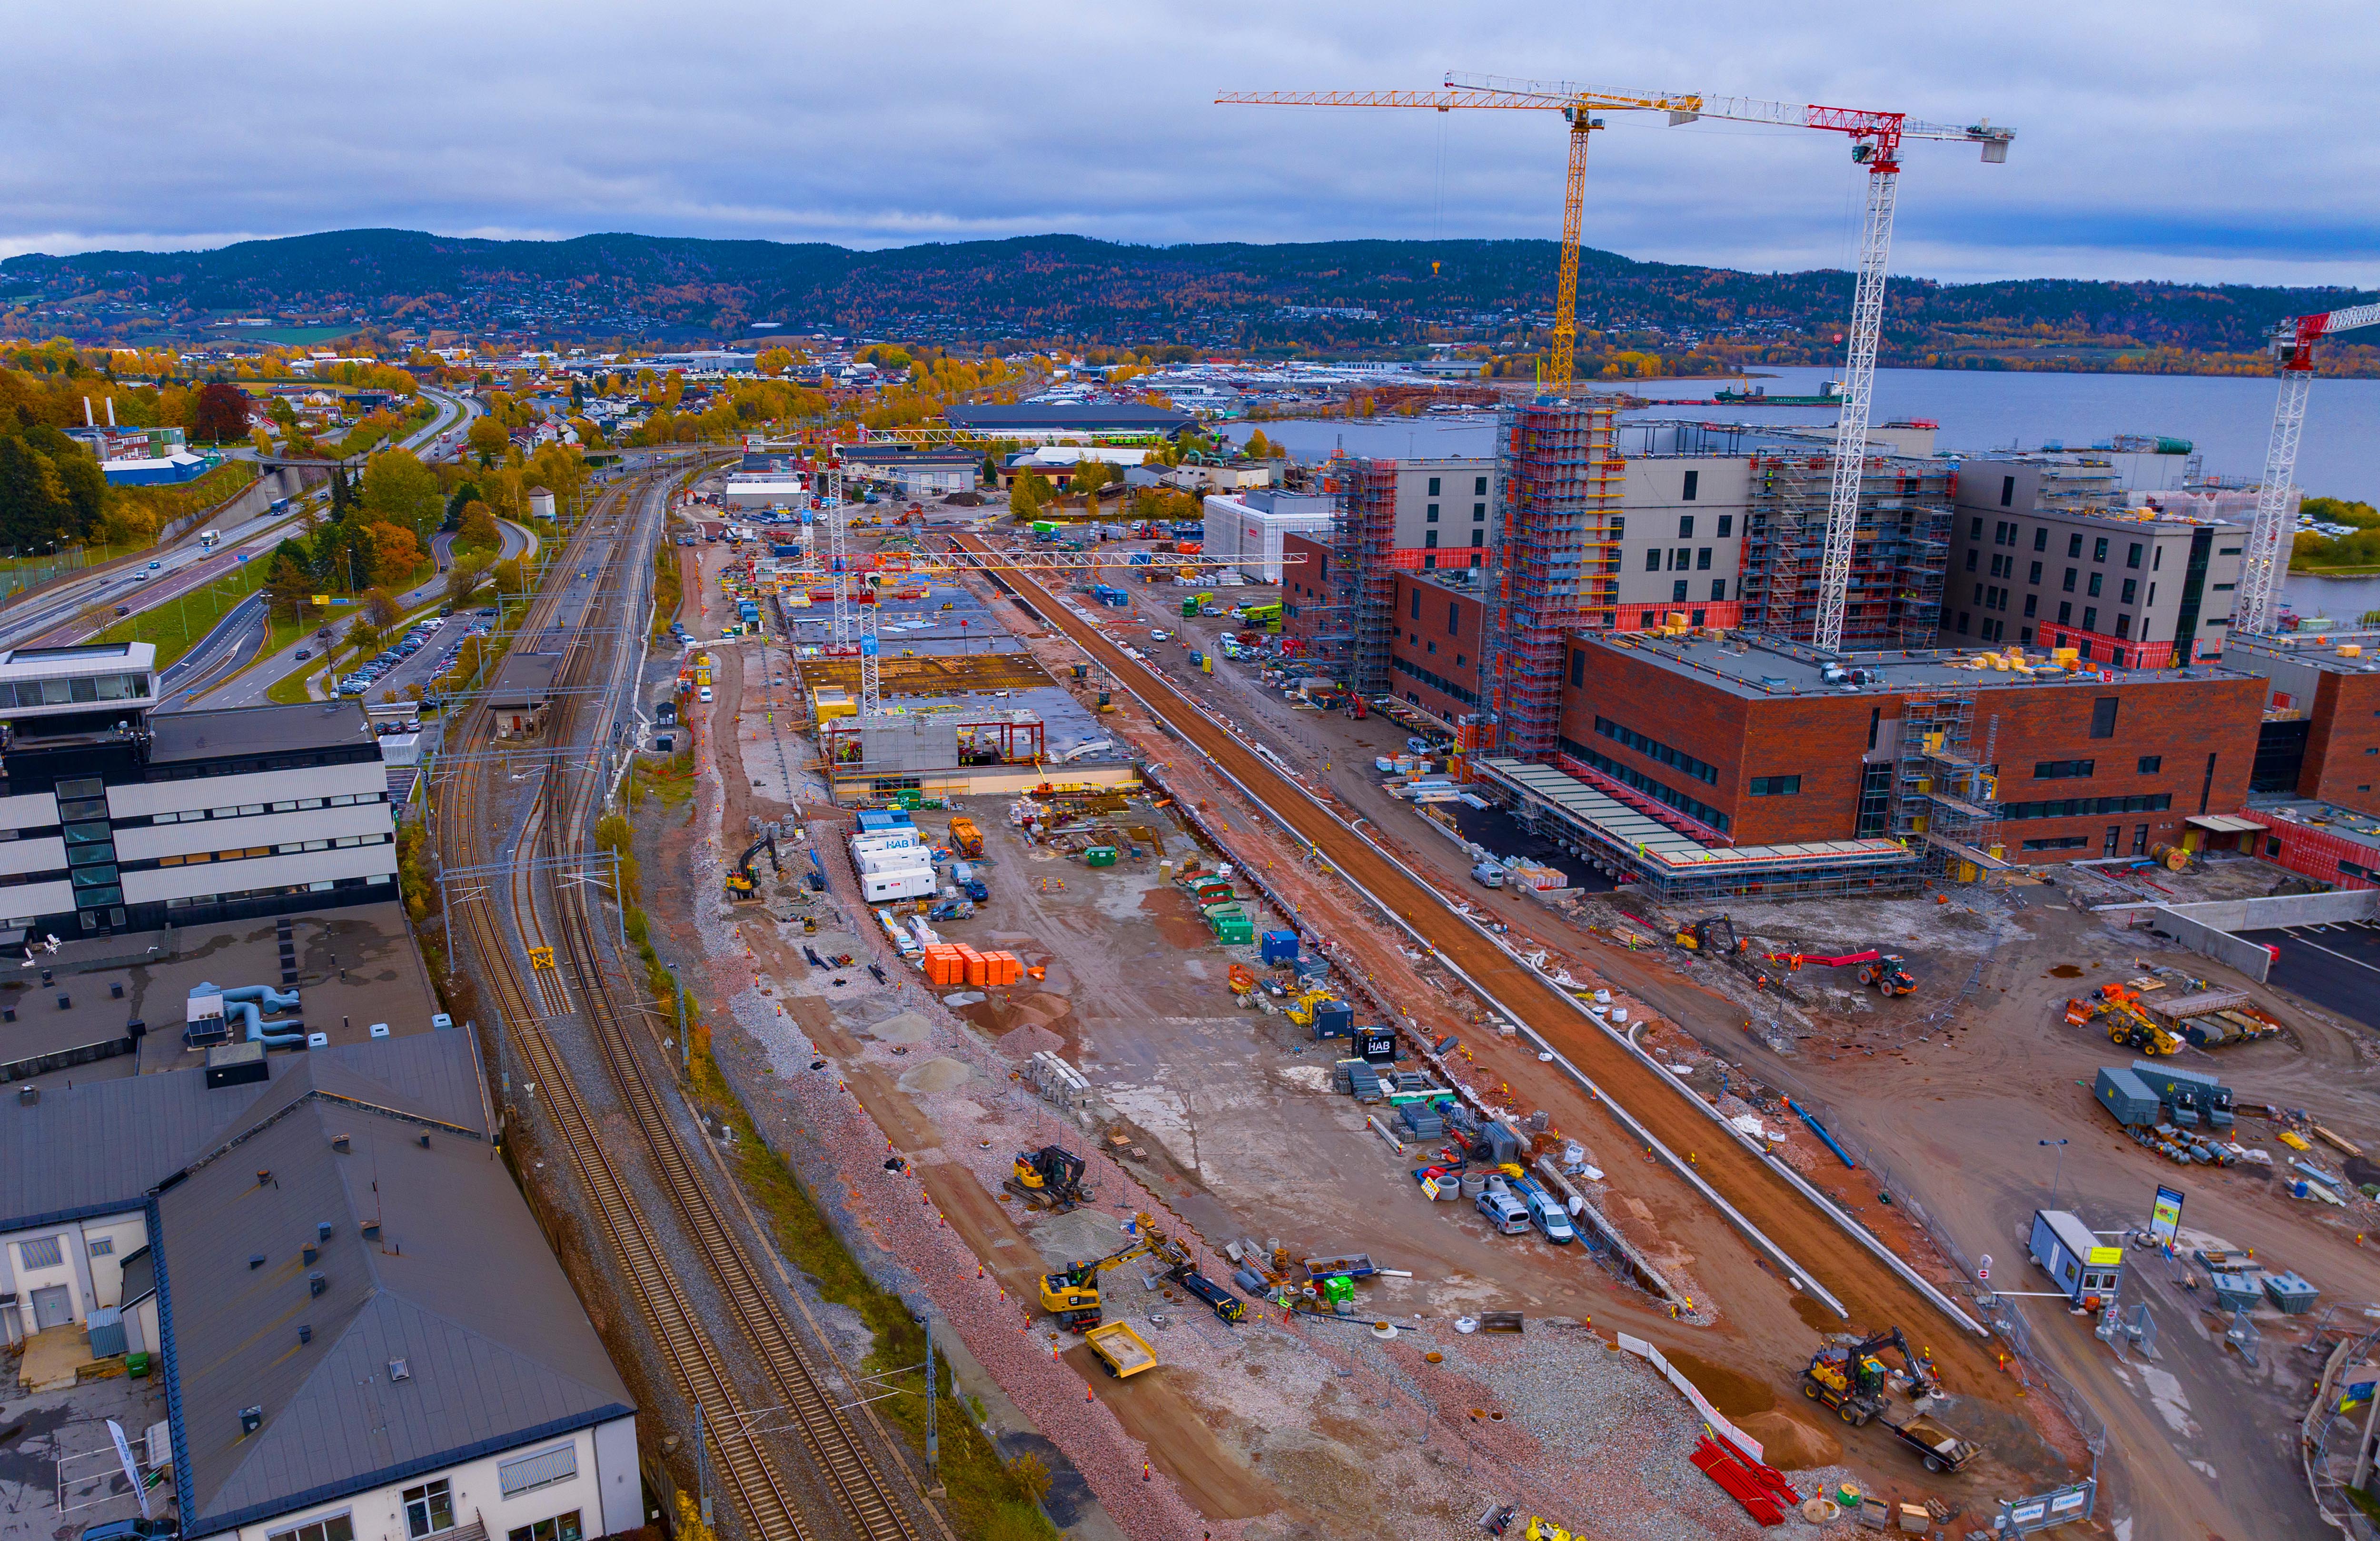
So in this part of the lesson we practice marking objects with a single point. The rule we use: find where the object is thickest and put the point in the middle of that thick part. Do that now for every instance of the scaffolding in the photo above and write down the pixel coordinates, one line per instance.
(1900, 553)
(1946, 787)
(1556, 562)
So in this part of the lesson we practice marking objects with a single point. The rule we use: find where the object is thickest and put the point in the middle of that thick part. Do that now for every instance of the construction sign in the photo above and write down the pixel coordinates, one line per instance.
(2164, 1216)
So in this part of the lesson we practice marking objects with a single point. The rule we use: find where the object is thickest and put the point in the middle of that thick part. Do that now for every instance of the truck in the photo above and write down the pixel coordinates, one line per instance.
(965, 838)
(2084, 1271)
(1121, 1352)
(207, 538)
(963, 878)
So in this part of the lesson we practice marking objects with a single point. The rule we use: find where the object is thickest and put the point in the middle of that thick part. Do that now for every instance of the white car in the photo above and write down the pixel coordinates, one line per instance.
(703, 694)
(1157, 635)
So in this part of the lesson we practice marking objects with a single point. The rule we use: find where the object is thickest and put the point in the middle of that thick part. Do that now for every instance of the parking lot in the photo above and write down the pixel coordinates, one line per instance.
(2336, 966)
(423, 652)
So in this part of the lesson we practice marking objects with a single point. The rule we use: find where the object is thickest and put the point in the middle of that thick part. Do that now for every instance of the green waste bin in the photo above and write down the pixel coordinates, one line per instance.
(1100, 855)
(137, 1365)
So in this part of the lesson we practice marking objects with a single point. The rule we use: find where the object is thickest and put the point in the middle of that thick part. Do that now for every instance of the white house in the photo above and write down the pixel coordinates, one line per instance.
(361, 1331)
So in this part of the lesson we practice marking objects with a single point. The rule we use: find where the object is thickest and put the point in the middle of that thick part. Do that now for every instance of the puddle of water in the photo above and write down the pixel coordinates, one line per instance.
(2066, 971)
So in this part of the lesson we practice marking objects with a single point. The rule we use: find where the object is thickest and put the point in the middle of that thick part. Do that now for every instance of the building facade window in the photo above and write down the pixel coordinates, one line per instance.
(1685, 527)
(1654, 749)
(2103, 716)
(1694, 484)
(562, 1527)
(1678, 593)
(331, 1527)
(1726, 526)
(530, 1472)
(41, 1252)
(2063, 769)
(1775, 786)
(429, 1508)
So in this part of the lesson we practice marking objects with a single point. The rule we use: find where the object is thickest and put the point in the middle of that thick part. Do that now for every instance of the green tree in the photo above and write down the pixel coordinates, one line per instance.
(400, 490)
(288, 588)
(468, 572)
(477, 529)
(78, 474)
(34, 507)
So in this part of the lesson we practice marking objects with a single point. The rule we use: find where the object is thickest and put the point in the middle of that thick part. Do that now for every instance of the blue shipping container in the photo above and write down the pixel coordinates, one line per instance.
(1280, 947)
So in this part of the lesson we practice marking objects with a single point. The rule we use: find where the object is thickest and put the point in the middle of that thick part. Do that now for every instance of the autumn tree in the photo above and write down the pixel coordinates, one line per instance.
(220, 413)
(774, 362)
(396, 552)
(379, 607)
(487, 440)
(34, 508)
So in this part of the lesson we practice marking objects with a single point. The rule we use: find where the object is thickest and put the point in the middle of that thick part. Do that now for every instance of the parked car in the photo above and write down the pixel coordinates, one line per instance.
(124, 610)
(704, 694)
(1488, 874)
(135, 1529)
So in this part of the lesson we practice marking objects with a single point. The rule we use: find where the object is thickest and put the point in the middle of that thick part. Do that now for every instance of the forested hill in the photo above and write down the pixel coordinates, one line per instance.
(1356, 295)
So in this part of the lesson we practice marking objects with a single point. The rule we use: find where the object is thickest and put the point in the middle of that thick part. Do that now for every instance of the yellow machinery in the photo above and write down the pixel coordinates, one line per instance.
(741, 883)
(1301, 1010)
(1544, 1530)
(1049, 1178)
(2128, 1024)
(1072, 1295)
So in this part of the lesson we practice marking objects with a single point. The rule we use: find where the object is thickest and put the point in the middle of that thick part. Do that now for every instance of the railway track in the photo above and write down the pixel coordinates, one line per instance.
(557, 824)
(745, 1464)
(1869, 1288)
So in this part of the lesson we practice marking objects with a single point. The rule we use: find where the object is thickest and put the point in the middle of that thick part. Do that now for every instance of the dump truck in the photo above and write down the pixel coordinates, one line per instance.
(1121, 1352)
(966, 840)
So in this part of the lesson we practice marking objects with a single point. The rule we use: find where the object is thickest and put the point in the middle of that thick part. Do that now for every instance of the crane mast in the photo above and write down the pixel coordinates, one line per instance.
(2266, 562)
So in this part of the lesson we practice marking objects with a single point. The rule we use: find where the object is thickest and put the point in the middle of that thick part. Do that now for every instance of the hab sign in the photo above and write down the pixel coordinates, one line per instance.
(2164, 1216)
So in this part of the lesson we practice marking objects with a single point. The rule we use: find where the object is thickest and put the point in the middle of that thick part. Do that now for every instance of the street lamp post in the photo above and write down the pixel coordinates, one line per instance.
(2057, 1170)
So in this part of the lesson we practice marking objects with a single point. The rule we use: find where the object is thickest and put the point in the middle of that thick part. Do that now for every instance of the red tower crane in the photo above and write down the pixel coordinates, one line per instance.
(2266, 562)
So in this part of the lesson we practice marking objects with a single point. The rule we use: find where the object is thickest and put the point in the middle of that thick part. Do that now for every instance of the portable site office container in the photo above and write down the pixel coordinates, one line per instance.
(915, 883)
(2084, 1270)
(887, 840)
(2127, 1096)
(888, 863)
(873, 821)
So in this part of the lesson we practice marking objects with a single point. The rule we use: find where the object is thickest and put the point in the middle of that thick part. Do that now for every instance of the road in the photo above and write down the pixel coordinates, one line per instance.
(2338, 967)
(223, 671)
(53, 616)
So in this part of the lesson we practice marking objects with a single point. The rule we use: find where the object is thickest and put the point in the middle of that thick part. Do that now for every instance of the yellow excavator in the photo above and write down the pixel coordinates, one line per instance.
(1072, 1295)
(1049, 1178)
(741, 883)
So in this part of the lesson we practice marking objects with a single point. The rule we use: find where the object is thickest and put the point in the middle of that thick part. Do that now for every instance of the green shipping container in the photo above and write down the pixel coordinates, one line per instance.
(1100, 855)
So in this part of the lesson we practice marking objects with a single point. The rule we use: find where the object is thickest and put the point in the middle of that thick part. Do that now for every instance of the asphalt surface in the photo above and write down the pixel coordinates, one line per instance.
(224, 677)
(182, 566)
(2336, 967)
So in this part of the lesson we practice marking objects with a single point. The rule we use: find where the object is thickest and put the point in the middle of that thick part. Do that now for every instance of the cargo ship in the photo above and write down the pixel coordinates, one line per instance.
(1830, 394)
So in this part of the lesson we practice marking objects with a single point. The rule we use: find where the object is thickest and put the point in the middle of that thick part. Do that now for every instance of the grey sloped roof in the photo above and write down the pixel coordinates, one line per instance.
(460, 1285)
(103, 1145)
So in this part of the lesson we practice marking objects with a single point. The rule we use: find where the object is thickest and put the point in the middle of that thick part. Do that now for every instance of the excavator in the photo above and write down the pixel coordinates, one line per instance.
(741, 884)
(1850, 1379)
(1072, 1295)
(1888, 973)
(1050, 1179)
(1713, 934)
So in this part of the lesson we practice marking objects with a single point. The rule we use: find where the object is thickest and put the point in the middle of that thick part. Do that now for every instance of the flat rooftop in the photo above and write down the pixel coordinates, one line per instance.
(1659, 846)
(97, 658)
(257, 730)
(2337, 652)
(2329, 818)
(1759, 668)
(355, 967)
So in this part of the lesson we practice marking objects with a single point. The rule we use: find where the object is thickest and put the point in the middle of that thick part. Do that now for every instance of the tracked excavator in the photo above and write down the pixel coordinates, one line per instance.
(1072, 1295)
(1049, 1178)
(741, 884)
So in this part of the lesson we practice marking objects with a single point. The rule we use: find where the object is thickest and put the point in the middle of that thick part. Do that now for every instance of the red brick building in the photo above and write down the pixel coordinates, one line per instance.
(1752, 743)
(1439, 627)
(1314, 624)
(2322, 734)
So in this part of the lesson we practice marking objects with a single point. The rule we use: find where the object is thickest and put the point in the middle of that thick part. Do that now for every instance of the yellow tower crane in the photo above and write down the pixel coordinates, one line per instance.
(1578, 107)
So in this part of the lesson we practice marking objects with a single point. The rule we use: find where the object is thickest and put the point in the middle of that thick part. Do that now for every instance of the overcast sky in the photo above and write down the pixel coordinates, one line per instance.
(2183, 140)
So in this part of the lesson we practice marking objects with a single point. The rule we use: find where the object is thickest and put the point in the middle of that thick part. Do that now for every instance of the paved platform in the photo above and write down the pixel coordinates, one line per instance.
(2336, 966)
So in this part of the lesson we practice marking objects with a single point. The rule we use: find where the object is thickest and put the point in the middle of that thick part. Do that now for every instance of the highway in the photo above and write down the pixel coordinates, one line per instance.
(223, 671)
(59, 615)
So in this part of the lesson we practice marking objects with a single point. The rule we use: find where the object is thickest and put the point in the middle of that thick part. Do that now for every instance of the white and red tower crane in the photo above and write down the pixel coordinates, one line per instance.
(2266, 562)
(1875, 143)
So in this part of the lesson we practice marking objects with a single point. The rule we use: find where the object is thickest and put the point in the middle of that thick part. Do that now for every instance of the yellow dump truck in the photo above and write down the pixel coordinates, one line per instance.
(966, 840)
(1122, 1352)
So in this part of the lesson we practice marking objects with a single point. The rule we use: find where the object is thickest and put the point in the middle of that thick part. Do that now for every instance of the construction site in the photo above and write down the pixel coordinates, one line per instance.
(1617, 1027)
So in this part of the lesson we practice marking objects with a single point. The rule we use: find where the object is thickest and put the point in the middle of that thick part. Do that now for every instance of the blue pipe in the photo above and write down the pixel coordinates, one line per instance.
(242, 1002)
(1820, 1130)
